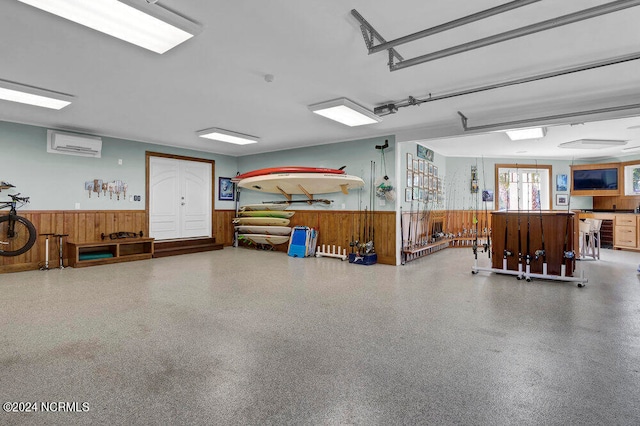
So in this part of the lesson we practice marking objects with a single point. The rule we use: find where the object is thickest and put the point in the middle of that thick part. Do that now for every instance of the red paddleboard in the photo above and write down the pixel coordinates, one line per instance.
(287, 169)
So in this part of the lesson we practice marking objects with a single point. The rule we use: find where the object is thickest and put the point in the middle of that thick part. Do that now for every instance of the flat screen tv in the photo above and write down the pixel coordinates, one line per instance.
(595, 179)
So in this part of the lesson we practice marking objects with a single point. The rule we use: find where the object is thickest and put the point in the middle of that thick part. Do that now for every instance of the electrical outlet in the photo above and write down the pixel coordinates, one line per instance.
(77, 206)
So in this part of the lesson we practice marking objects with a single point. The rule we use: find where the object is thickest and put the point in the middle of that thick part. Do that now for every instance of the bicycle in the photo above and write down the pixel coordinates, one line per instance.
(17, 234)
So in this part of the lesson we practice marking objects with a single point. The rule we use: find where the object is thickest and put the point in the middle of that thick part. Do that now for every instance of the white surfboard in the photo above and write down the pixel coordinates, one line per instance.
(263, 221)
(265, 230)
(265, 206)
(302, 183)
(266, 213)
(265, 239)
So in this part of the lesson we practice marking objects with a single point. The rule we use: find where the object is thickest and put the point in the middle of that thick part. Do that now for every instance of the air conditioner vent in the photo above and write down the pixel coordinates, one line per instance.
(73, 144)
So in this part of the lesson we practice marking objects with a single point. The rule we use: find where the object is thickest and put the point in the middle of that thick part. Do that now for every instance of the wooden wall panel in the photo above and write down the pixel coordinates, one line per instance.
(223, 226)
(81, 225)
(340, 227)
(335, 228)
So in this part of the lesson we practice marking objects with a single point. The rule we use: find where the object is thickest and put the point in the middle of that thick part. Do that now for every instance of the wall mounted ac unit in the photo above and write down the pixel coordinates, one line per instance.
(73, 144)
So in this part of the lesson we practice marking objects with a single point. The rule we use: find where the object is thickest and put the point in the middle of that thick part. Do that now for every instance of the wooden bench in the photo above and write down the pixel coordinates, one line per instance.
(109, 251)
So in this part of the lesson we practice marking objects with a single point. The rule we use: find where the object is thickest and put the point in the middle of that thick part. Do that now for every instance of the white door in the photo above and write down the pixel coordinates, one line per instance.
(179, 198)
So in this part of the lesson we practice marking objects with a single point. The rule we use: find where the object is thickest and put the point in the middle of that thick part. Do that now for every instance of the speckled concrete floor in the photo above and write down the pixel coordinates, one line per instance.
(247, 337)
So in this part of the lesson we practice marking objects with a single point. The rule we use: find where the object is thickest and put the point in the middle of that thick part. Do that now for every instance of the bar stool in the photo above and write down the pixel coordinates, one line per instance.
(584, 228)
(46, 252)
(60, 245)
(594, 236)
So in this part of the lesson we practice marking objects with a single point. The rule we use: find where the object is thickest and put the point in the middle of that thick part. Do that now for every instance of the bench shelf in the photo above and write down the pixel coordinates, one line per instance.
(109, 251)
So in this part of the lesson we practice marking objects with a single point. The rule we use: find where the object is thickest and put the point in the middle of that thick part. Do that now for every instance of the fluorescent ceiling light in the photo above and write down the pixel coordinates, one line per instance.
(227, 136)
(135, 21)
(14, 92)
(592, 144)
(346, 112)
(522, 134)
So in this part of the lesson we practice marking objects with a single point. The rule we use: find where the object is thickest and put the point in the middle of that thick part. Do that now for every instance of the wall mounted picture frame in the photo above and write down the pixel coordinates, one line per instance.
(416, 165)
(225, 189)
(409, 178)
(424, 152)
(408, 193)
(562, 182)
(487, 195)
(562, 199)
(409, 161)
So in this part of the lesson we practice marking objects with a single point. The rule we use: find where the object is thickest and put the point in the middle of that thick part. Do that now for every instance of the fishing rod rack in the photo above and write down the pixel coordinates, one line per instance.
(553, 258)
(426, 232)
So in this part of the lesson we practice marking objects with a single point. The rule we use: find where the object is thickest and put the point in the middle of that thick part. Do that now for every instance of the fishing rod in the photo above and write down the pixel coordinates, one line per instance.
(527, 256)
(519, 233)
(486, 231)
(403, 254)
(313, 200)
(541, 252)
(475, 241)
(567, 255)
(506, 252)
(373, 202)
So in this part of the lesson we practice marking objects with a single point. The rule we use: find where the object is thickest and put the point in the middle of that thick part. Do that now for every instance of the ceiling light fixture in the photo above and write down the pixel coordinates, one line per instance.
(135, 21)
(222, 135)
(592, 144)
(346, 112)
(523, 134)
(15, 92)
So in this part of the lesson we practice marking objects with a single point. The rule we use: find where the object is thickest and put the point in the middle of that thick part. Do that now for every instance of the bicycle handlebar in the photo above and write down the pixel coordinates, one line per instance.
(15, 197)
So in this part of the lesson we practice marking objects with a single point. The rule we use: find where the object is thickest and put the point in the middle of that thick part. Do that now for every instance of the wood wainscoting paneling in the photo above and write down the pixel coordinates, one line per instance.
(335, 228)
(80, 225)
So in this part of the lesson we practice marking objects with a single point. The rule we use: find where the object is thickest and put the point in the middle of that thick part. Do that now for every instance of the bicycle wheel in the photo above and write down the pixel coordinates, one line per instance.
(24, 236)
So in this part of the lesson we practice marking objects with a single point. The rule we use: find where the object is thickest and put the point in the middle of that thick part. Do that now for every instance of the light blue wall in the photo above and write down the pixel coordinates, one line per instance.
(460, 169)
(356, 155)
(56, 182)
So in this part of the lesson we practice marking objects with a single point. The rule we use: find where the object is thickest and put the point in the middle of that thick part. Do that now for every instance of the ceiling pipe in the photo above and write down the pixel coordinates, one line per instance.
(519, 32)
(537, 121)
(451, 24)
(393, 107)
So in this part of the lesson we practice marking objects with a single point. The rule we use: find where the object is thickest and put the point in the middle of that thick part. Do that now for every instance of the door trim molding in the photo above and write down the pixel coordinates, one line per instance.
(149, 154)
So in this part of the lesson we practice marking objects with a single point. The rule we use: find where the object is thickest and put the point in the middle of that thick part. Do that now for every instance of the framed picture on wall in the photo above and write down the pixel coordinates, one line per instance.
(225, 189)
(421, 166)
(409, 178)
(562, 199)
(561, 182)
(409, 161)
(407, 194)
(430, 169)
(416, 165)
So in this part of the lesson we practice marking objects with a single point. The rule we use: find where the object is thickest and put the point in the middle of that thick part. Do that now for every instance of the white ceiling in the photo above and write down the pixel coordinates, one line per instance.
(316, 52)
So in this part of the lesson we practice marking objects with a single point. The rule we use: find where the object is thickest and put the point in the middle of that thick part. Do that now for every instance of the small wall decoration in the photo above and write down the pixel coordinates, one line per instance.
(99, 186)
(225, 189)
(561, 182)
(409, 161)
(562, 199)
(409, 178)
(407, 194)
(424, 152)
(487, 195)
(474, 179)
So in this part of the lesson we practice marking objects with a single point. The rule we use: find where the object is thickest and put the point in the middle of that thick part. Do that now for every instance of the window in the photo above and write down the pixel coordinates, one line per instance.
(523, 187)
